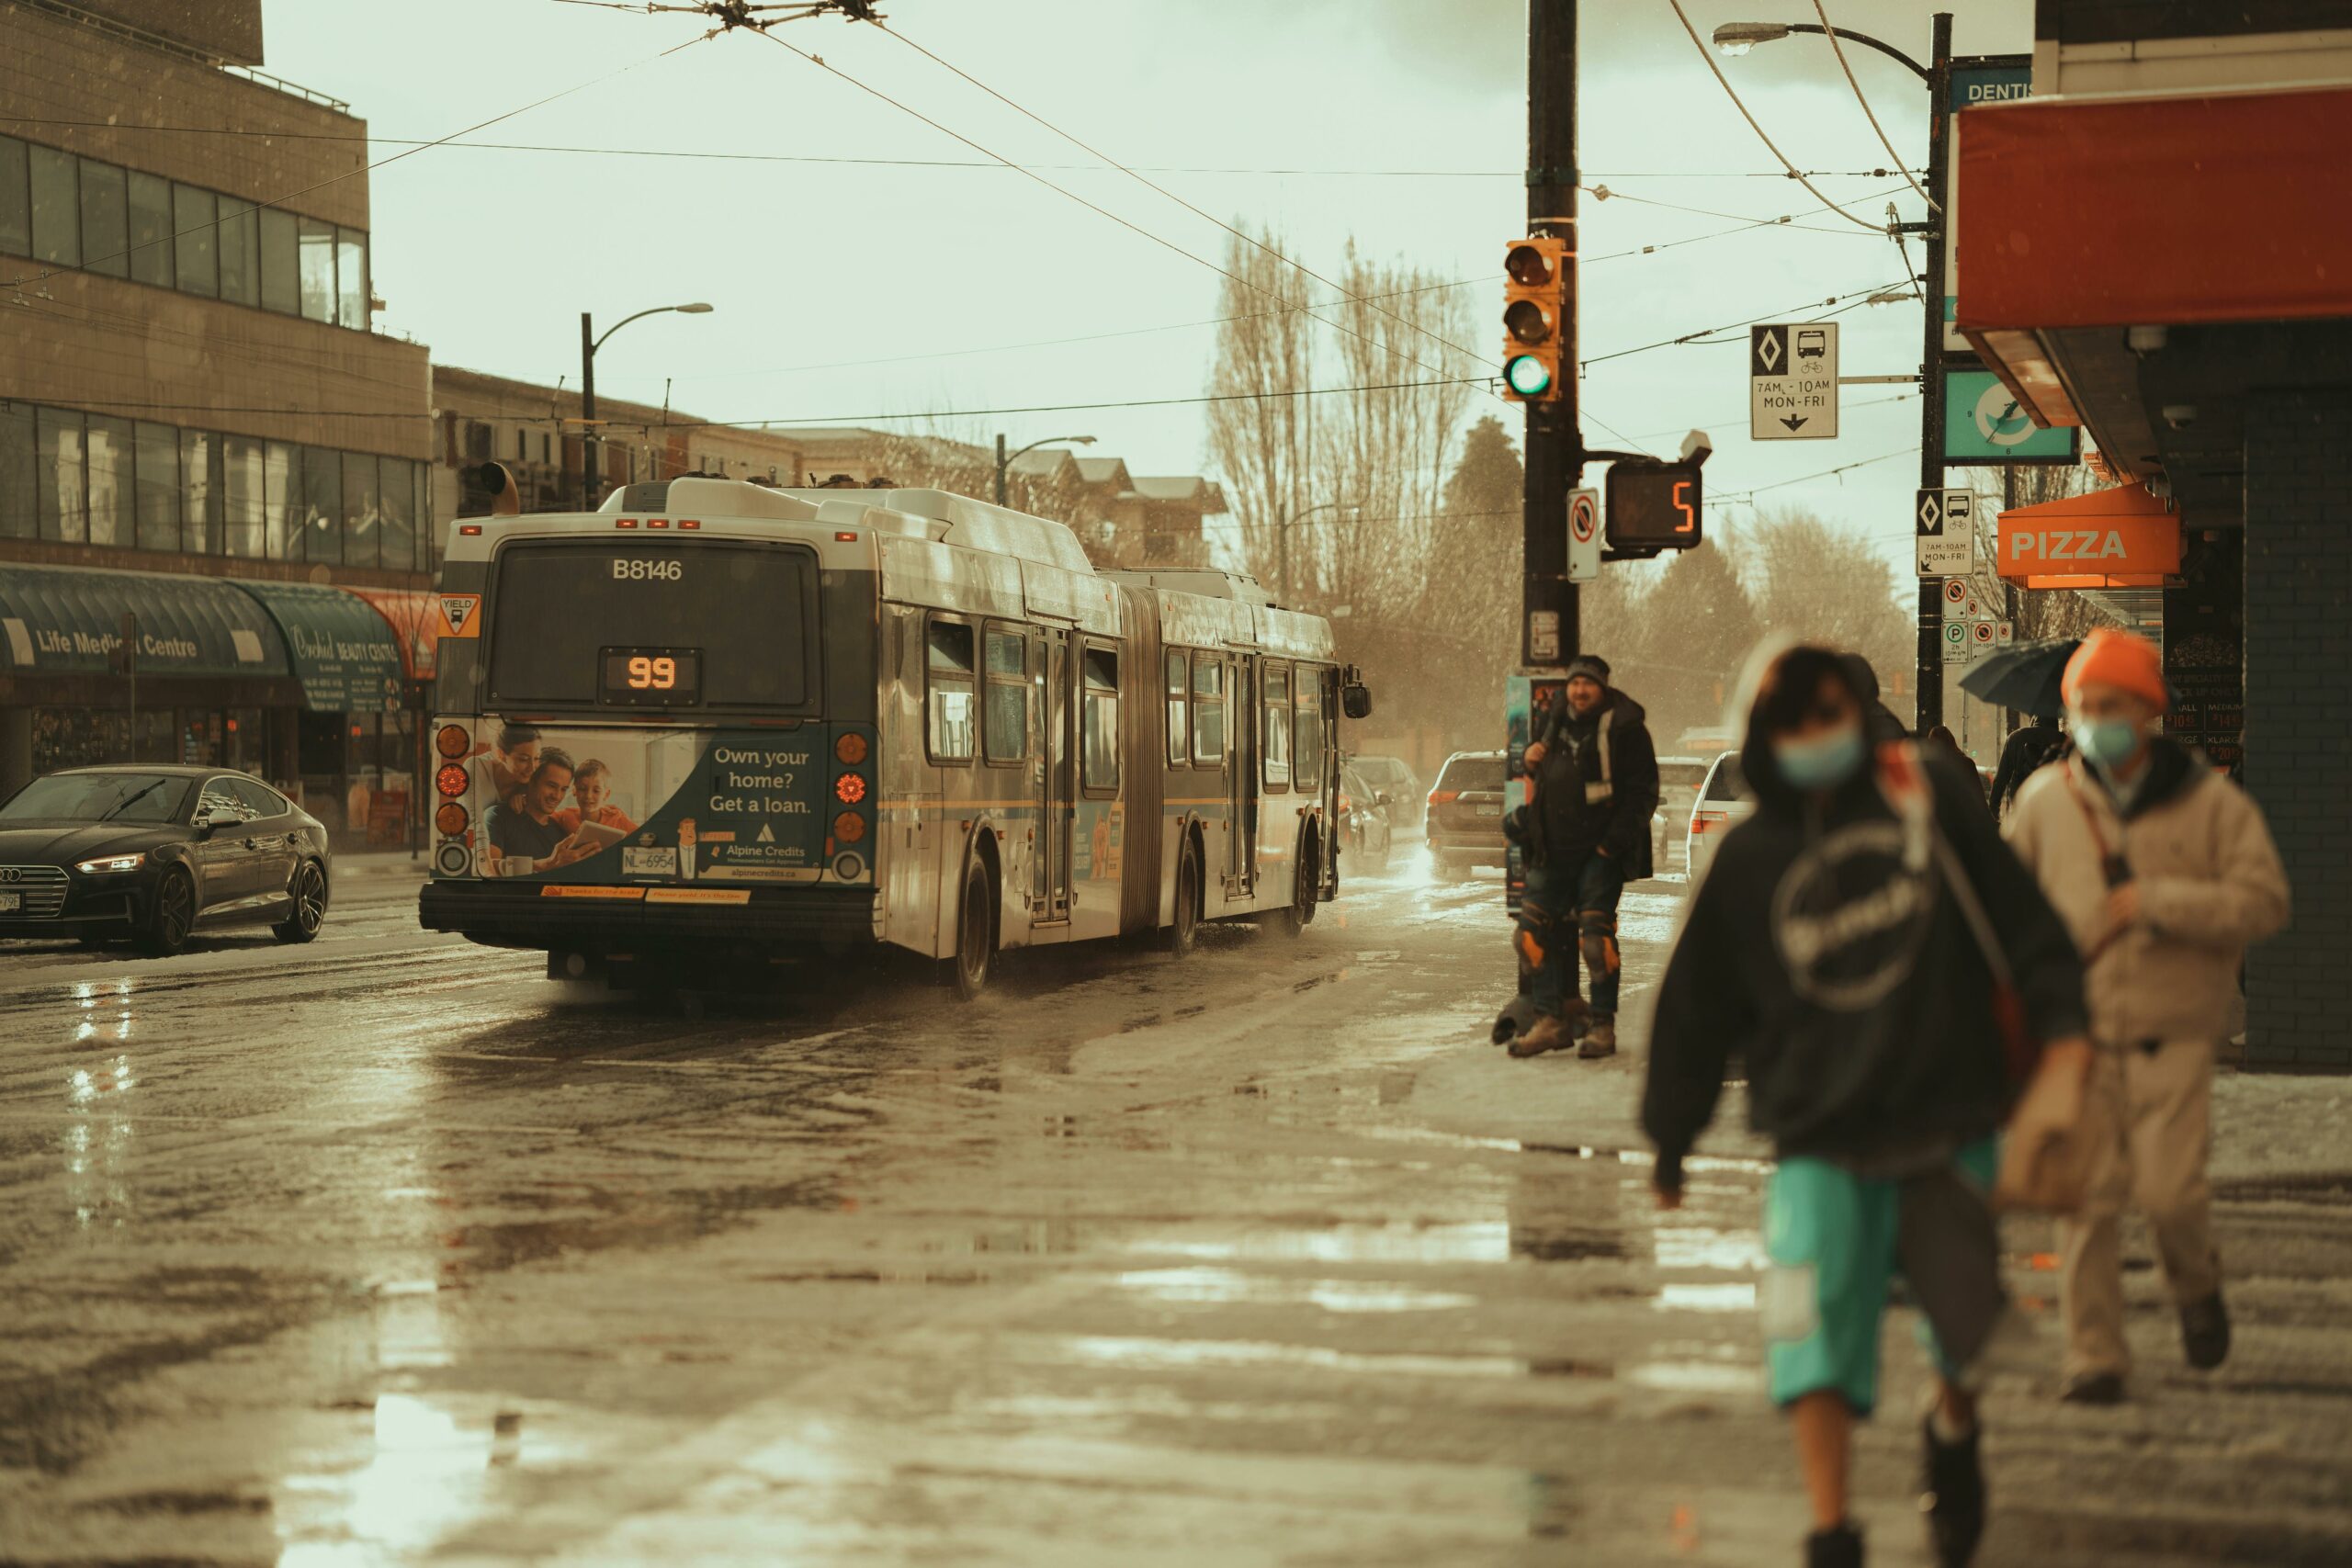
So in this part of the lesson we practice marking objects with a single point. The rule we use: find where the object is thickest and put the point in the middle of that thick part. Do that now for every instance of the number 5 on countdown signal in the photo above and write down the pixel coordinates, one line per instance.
(1653, 506)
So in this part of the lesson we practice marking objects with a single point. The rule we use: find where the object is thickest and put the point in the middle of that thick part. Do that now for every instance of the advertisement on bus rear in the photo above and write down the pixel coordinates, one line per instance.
(581, 805)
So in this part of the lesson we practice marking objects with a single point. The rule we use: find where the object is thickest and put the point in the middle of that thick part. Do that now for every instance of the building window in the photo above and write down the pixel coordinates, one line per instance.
(1007, 716)
(318, 269)
(1179, 750)
(361, 510)
(244, 507)
(281, 268)
(400, 549)
(19, 494)
(194, 216)
(351, 279)
(322, 532)
(522, 446)
(113, 486)
(16, 200)
(1099, 739)
(949, 699)
(64, 503)
(1208, 711)
(105, 220)
(57, 209)
(200, 507)
(1277, 731)
(240, 252)
(282, 499)
(159, 488)
(478, 436)
(151, 229)
(546, 446)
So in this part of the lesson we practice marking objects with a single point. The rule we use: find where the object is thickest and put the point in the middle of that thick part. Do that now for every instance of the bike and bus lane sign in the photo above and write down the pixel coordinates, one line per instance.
(1792, 381)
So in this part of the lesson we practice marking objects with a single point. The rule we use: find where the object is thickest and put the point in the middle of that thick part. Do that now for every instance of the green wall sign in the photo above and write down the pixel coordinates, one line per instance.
(1984, 423)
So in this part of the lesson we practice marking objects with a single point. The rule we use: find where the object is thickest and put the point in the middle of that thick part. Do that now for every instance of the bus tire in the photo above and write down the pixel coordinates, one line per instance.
(1291, 921)
(975, 931)
(1183, 929)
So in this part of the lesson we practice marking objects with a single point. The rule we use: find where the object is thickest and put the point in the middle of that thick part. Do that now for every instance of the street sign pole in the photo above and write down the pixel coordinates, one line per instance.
(1931, 674)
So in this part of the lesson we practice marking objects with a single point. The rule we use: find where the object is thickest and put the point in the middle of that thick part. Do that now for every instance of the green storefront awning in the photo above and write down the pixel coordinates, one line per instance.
(64, 621)
(341, 651)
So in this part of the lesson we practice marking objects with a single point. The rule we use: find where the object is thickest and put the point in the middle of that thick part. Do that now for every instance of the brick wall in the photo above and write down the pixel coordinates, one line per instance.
(2299, 718)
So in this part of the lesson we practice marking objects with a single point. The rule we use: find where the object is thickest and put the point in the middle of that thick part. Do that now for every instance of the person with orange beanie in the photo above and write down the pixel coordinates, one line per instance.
(2164, 872)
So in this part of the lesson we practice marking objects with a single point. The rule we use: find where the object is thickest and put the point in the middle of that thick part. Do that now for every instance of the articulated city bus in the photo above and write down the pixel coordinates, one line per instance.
(715, 726)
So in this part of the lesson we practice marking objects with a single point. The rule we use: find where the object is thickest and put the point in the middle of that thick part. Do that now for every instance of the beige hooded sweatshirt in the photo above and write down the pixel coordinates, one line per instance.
(2209, 880)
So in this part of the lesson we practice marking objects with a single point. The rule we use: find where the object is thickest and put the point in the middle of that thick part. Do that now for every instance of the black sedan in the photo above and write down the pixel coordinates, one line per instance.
(148, 853)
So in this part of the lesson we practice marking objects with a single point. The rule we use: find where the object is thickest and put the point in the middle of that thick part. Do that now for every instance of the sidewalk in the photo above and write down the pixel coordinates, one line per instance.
(374, 865)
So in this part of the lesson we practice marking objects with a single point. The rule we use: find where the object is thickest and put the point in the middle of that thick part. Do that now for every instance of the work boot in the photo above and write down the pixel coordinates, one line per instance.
(1838, 1548)
(1599, 1037)
(1953, 1495)
(2094, 1388)
(1547, 1034)
(2205, 1332)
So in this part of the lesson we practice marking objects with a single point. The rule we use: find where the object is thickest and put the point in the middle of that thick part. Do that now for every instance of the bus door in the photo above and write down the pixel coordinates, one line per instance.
(1241, 775)
(1058, 798)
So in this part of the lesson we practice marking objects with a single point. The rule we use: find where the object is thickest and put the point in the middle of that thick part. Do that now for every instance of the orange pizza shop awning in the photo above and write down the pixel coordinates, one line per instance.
(2123, 538)
(413, 615)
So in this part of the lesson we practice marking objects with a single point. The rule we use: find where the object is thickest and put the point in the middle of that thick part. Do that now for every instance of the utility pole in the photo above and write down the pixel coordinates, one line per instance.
(1932, 366)
(1549, 631)
(587, 414)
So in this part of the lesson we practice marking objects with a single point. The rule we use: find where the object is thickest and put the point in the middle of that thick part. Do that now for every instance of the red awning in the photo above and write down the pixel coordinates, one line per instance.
(2159, 210)
(413, 615)
(2123, 538)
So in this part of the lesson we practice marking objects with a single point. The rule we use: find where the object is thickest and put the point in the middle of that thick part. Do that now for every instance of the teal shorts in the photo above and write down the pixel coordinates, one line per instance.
(1832, 1239)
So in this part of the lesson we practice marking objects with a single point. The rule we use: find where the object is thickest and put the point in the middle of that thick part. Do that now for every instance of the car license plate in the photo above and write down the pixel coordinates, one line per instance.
(10, 901)
(1490, 811)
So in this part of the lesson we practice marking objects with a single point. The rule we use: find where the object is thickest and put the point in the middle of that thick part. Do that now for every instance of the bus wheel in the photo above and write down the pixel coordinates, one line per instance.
(975, 944)
(1291, 921)
(1184, 929)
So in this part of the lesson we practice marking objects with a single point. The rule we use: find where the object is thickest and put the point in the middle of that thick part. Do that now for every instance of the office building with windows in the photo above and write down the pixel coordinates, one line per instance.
(216, 507)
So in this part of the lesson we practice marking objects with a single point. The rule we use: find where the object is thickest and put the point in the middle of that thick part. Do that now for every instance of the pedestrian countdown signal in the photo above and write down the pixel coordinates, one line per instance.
(1538, 277)
(1653, 507)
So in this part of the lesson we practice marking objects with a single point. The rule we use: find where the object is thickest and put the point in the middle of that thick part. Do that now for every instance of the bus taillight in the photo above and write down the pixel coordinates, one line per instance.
(451, 780)
(850, 788)
(450, 820)
(848, 827)
(453, 741)
(850, 750)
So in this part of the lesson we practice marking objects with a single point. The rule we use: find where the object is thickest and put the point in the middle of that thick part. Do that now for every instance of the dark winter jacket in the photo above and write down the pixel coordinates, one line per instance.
(1567, 824)
(1849, 981)
(2021, 754)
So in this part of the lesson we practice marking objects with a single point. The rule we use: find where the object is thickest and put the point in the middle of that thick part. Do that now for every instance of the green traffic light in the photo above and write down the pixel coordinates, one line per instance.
(1527, 375)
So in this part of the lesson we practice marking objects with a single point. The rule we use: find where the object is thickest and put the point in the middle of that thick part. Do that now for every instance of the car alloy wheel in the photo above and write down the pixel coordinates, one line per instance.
(309, 910)
(175, 913)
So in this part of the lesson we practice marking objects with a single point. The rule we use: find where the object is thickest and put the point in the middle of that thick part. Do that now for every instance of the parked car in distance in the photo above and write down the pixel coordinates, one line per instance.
(1403, 786)
(1367, 825)
(150, 852)
(1723, 800)
(1679, 783)
(1464, 820)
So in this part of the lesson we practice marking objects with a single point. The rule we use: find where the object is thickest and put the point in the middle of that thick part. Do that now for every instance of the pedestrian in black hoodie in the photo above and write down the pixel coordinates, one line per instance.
(1832, 948)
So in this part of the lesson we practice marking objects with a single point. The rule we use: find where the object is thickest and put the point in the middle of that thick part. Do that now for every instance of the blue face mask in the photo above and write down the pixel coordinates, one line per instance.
(2108, 742)
(1824, 761)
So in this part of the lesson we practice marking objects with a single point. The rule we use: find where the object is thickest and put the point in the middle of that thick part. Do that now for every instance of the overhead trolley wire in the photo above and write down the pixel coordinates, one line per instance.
(1769, 145)
(1839, 51)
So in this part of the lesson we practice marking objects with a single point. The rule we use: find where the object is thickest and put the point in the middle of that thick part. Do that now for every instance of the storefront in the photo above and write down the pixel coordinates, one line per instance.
(354, 709)
(396, 763)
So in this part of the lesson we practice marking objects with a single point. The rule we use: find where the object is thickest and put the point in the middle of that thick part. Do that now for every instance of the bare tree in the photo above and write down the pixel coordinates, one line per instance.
(1261, 437)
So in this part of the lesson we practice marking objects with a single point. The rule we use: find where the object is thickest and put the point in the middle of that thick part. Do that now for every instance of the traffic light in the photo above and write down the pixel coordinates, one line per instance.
(1652, 506)
(1538, 279)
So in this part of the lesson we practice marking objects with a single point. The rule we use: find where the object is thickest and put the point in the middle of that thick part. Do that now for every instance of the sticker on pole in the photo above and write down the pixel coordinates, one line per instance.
(1584, 535)
(1944, 527)
(1792, 381)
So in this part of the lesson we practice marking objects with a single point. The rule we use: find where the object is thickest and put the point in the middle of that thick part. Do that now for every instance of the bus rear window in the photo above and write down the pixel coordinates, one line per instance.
(748, 610)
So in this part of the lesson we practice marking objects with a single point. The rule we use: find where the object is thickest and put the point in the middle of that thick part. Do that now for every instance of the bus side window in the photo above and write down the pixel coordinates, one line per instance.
(1006, 717)
(1099, 761)
(1179, 750)
(1277, 731)
(950, 695)
(1208, 711)
(1307, 734)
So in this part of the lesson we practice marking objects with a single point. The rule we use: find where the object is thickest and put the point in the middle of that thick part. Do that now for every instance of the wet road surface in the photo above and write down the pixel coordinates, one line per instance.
(385, 1250)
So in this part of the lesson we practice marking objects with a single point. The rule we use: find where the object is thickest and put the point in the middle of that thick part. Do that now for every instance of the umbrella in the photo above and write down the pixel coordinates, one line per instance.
(2024, 676)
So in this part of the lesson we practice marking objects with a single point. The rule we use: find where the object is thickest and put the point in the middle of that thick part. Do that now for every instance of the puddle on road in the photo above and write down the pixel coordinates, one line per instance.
(1706, 1298)
(1227, 1354)
(1227, 1286)
(1473, 1242)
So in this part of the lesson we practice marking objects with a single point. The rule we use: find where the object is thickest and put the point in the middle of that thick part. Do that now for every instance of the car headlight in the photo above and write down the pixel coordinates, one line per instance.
(111, 862)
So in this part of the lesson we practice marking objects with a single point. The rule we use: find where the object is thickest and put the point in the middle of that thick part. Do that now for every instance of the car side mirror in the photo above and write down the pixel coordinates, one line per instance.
(219, 816)
(1355, 700)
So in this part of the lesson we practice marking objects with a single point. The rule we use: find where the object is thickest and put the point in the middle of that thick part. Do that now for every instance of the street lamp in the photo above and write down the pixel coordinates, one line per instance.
(589, 343)
(1738, 38)
(1281, 538)
(1004, 462)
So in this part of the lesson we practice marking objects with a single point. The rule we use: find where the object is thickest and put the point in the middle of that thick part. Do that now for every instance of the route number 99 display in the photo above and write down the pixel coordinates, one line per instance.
(651, 677)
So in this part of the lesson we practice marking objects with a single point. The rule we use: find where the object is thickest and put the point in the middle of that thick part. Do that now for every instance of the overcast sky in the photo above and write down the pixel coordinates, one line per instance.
(850, 289)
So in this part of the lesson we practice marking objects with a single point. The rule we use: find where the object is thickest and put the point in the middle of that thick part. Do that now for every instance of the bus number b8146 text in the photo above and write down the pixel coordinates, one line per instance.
(649, 570)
